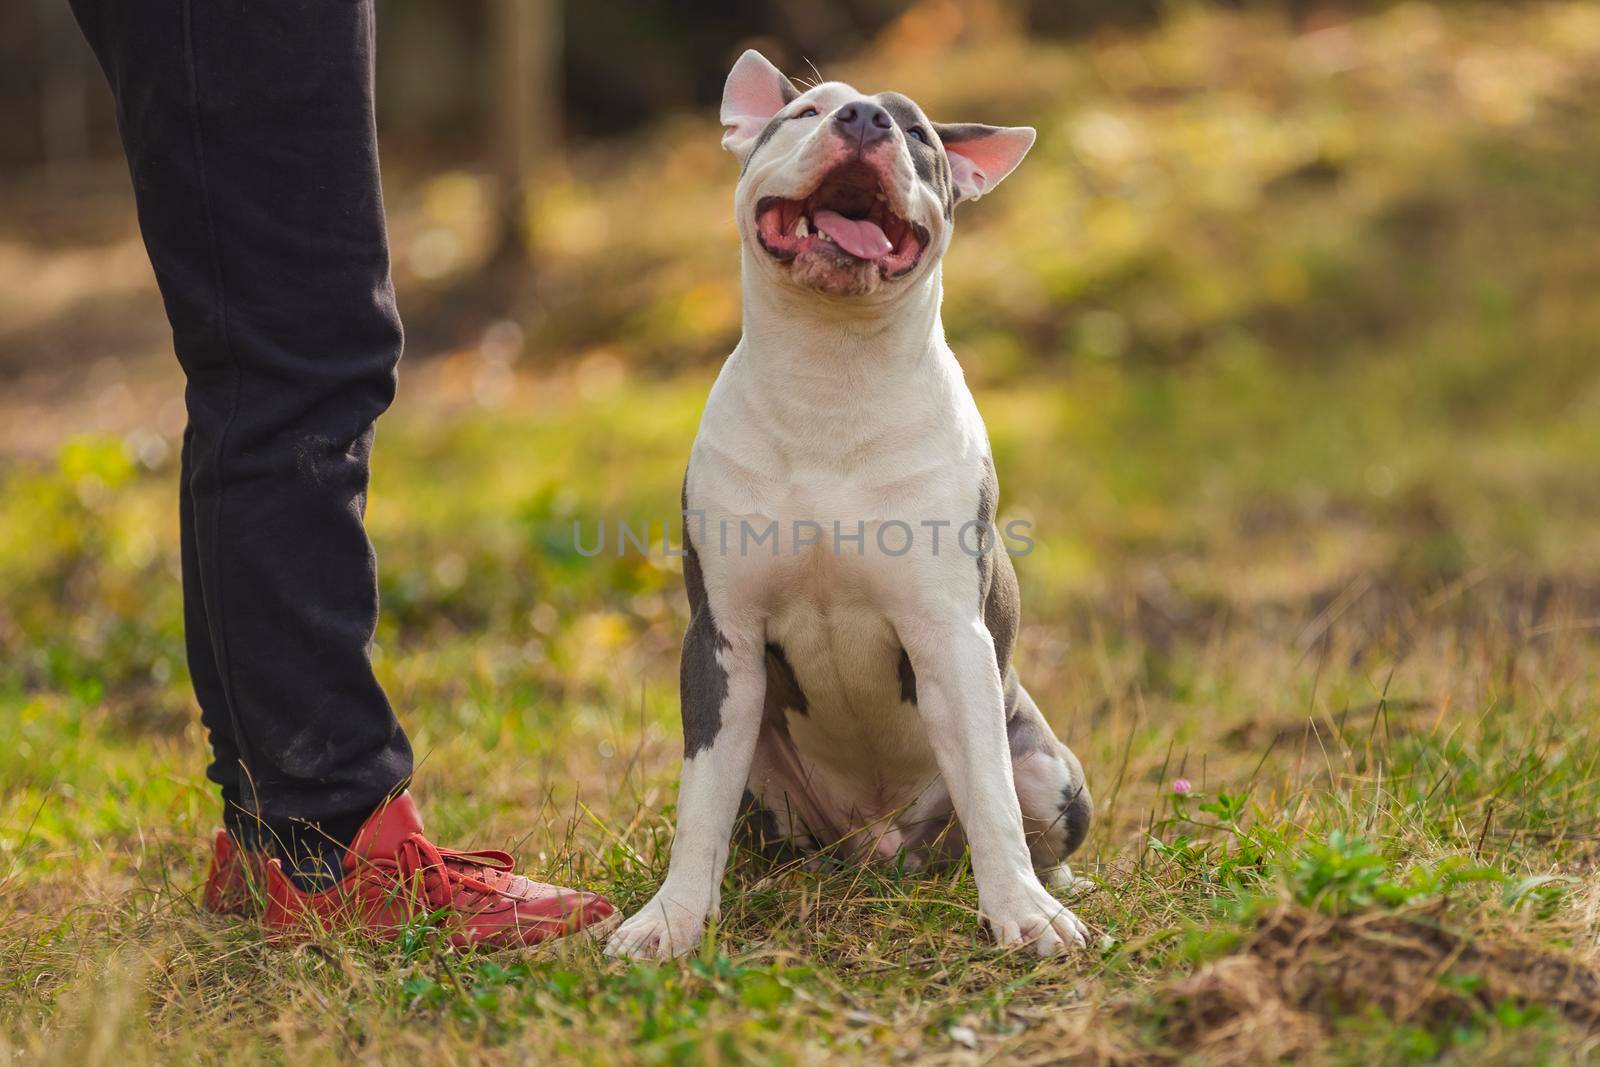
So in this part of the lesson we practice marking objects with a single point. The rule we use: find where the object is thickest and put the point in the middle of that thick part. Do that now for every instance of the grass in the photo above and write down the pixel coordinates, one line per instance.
(1287, 348)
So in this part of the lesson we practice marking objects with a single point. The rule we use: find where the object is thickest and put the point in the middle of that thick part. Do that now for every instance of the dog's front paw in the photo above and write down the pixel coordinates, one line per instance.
(1026, 914)
(661, 930)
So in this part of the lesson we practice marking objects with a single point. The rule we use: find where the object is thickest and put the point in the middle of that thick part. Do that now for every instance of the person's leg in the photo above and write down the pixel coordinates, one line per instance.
(250, 138)
(215, 716)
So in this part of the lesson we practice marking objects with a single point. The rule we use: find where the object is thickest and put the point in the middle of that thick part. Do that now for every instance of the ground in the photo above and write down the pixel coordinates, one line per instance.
(1288, 348)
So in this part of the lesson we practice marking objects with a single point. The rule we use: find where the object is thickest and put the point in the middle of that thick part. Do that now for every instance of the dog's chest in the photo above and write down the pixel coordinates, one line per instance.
(858, 720)
(827, 592)
(861, 486)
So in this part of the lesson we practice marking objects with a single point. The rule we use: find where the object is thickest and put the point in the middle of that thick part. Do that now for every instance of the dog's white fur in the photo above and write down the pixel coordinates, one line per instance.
(851, 409)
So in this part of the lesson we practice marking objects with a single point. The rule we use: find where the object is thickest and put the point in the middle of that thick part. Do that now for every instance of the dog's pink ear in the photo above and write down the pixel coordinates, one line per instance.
(980, 156)
(754, 92)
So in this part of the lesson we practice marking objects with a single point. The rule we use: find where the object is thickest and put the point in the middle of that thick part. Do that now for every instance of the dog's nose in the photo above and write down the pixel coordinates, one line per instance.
(863, 122)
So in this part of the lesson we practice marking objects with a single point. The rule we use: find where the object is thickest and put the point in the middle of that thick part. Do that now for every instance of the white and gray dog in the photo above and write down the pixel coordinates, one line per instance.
(846, 676)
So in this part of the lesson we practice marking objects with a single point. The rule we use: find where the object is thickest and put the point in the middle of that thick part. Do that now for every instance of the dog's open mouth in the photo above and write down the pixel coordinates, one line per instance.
(839, 231)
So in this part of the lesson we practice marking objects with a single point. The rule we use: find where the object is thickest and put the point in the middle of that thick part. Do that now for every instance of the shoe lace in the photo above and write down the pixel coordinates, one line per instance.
(442, 876)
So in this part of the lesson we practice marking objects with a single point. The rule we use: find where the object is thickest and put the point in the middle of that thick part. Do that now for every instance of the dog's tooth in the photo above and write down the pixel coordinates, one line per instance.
(800, 227)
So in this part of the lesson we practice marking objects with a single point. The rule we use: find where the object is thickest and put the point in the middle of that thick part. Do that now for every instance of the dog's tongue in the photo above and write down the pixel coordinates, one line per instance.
(860, 237)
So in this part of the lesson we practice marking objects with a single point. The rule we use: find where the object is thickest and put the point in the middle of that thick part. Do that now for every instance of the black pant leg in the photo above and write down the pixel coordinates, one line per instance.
(227, 766)
(250, 138)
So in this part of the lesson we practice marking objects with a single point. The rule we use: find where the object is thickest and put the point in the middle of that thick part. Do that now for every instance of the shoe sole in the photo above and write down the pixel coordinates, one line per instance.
(568, 944)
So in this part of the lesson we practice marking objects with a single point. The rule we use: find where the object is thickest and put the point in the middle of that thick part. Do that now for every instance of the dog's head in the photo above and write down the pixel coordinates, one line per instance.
(849, 194)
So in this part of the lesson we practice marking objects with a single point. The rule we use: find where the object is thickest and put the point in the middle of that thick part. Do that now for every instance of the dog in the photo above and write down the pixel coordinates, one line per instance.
(846, 675)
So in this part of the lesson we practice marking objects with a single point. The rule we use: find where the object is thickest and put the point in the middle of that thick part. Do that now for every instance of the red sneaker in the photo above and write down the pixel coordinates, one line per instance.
(395, 876)
(237, 878)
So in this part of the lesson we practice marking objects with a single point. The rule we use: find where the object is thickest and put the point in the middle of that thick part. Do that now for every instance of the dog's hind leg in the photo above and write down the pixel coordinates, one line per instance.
(1056, 805)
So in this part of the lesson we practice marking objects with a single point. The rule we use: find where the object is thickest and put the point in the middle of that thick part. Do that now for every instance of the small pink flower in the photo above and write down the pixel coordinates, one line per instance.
(1181, 786)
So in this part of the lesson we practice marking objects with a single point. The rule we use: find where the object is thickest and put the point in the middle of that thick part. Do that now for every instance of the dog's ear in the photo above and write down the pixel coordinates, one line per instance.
(754, 92)
(980, 156)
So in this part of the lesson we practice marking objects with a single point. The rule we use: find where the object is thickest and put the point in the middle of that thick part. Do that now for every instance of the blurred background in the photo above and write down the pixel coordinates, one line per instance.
(1289, 319)
(1207, 174)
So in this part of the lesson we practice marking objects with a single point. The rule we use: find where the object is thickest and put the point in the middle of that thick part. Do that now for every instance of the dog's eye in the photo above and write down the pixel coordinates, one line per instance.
(808, 113)
(919, 133)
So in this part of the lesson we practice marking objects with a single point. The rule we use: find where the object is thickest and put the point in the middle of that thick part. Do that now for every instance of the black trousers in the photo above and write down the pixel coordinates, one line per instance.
(248, 126)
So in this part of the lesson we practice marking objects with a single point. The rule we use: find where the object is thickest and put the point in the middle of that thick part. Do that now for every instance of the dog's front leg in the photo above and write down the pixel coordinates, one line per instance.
(722, 683)
(962, 706)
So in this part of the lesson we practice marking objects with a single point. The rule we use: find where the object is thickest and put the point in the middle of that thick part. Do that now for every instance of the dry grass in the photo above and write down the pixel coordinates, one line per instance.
(1239, 938)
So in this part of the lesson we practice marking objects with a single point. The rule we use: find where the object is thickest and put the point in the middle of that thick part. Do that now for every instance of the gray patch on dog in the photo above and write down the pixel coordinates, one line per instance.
(927, 159)
(702, 681)
(1028, 733)
(957, 132)
(997, 578)
(1077, 810)
(783, 688)
(759, 825)
(908, 679)
(759, 829)
(988, 493)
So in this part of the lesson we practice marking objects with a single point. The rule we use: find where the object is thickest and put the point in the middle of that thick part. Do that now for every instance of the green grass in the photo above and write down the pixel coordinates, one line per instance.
(1287, 348)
